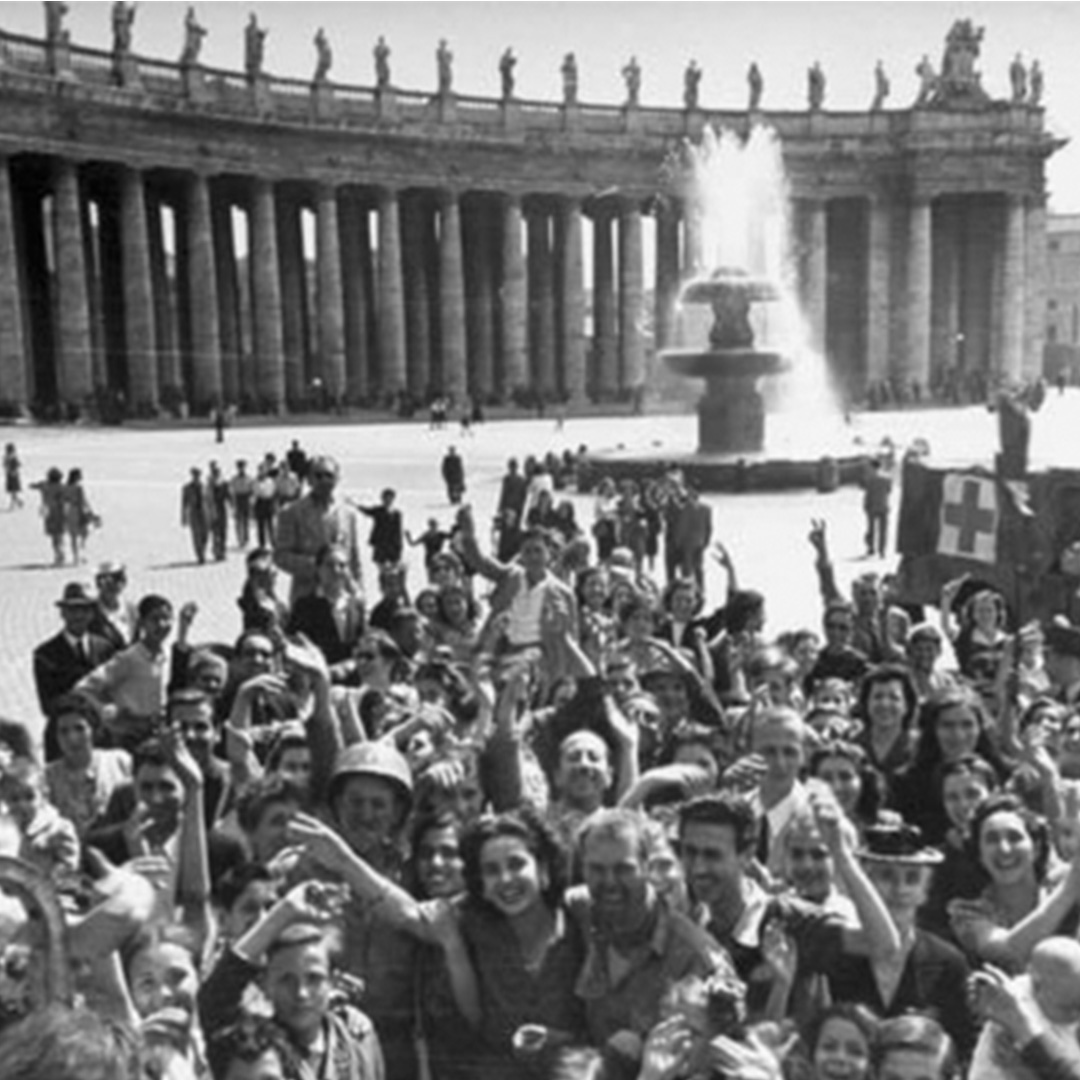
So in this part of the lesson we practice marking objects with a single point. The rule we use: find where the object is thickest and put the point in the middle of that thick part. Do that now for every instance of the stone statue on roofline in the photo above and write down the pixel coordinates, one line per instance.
(444, 60)
(631, 74)
(193, 39)
(254, 47)
(881, 88)
(928, 81)
(960, 85)
(569, 79)
(1018, 79)
(507, 63)
(324, 57)
(55, 31)
(1036, 77)
(382, 63)
(815, 87)
(123, 17)
(756, 85)
(691, 85)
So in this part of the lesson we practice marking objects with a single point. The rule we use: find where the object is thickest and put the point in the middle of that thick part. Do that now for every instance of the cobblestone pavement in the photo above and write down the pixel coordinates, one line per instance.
(133, 479)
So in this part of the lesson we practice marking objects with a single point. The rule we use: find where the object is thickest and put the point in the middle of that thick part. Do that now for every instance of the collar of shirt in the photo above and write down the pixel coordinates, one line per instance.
(595, 980)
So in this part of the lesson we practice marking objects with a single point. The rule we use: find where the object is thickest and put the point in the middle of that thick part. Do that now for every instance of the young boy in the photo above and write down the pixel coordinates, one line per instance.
(288, 948)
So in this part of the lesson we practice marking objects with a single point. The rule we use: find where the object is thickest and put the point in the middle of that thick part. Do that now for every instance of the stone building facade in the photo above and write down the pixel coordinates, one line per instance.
(450, 233)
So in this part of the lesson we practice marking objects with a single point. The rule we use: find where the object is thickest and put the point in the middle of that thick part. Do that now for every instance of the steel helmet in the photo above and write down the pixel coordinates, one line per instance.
(373, 759)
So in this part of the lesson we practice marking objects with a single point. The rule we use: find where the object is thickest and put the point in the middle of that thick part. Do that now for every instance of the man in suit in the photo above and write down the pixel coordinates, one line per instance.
(196, 512)
(694, 532)
(63, 660)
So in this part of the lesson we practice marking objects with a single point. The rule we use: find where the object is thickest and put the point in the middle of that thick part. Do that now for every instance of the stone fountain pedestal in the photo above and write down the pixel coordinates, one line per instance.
(732, 452)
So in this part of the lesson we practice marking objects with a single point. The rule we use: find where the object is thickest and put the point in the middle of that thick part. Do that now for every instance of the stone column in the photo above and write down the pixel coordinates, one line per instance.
(815, 270)
(605, 320)
(945, 302)
(139, 329)
(1013, 299)
(541, 302)
(667, 272)
(170, 378)
(918, 293)
(330, 296)
(95, 289)
(205, 328)
(416, 232)
(1035, 280)
(478, 242)
(74, 359)
(266, 304)
(391, 297)
(294, 299)
(13, 382)
(631, 298)
(513, 300)
(878, 240)
(452, 297)
(572, 326)
(234, 382)
(354, 251)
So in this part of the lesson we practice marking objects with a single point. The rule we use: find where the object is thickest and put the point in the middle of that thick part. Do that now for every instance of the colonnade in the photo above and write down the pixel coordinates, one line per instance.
(139, 282)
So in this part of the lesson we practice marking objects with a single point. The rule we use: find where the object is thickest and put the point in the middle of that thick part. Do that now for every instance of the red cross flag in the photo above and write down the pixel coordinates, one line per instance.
(969, 517)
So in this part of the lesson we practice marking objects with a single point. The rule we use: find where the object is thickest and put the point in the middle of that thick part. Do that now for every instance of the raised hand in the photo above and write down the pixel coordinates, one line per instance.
(319, 841)
(667, 1050)
(817, 536)
(780, 952)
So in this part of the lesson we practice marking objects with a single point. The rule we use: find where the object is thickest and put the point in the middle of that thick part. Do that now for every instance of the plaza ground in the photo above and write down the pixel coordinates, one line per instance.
(133, 478)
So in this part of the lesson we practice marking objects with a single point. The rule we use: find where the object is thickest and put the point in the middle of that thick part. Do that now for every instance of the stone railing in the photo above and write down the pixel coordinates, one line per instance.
(94, 76)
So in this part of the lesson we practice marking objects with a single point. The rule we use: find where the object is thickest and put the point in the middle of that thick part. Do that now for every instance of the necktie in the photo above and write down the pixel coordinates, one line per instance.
(80, 651)
(762, 853)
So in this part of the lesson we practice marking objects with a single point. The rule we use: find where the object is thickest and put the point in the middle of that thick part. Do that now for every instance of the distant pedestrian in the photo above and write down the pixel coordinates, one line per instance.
(220, 503)
(453, 474)
(219, 424)
(12, 476)
(79, 518)
(387, 530)
(297, 459)
(242, 490)
(52, 511)
(195, 513)
(266, 505)
(877, 493)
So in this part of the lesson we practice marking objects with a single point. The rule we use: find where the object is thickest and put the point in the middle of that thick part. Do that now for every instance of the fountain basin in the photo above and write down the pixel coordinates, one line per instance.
(723, 363)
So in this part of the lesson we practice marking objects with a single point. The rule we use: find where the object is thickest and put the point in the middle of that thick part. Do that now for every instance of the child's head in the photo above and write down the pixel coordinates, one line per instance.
(297, 980)
(21, 790)
(914, 1047)
(834, 694)
(263, 810)
(243, 895)
(254, 1048)
(1054, 969)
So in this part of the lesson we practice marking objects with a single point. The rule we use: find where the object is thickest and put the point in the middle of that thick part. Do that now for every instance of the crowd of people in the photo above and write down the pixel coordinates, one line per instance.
(553, 812)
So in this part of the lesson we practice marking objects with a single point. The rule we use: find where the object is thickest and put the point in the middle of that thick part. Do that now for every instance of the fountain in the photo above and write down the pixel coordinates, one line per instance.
(731, 415)
(738, 245)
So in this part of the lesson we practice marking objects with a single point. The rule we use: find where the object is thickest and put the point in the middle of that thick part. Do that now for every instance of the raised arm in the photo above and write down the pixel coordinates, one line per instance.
(483, 564)
(823, 566)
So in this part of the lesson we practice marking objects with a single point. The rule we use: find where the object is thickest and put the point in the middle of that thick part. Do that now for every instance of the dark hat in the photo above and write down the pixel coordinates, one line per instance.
(76, 594)
(110, 569)
(899, 843)
(1063, 638)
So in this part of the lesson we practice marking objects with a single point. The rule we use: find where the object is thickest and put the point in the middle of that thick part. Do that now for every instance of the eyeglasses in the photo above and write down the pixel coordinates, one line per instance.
(367, 656)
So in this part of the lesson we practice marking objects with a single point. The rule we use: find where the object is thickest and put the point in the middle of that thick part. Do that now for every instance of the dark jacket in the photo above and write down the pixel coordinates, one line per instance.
(58, 667)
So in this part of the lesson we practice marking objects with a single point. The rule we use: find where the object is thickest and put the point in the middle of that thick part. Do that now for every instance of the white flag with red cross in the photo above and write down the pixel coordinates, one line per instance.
(969, 517)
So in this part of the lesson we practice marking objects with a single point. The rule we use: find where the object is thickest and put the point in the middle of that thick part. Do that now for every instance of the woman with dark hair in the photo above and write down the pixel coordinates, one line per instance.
(512, 954)
(331, 617)
(856, 784)
(965, 784)
(980, 638)
(888, 702)
(681, 604)
(1016, 908)
(82, 779)
(951, 726)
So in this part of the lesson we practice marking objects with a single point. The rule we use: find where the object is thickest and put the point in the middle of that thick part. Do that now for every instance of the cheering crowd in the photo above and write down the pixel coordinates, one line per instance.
(552, 812)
